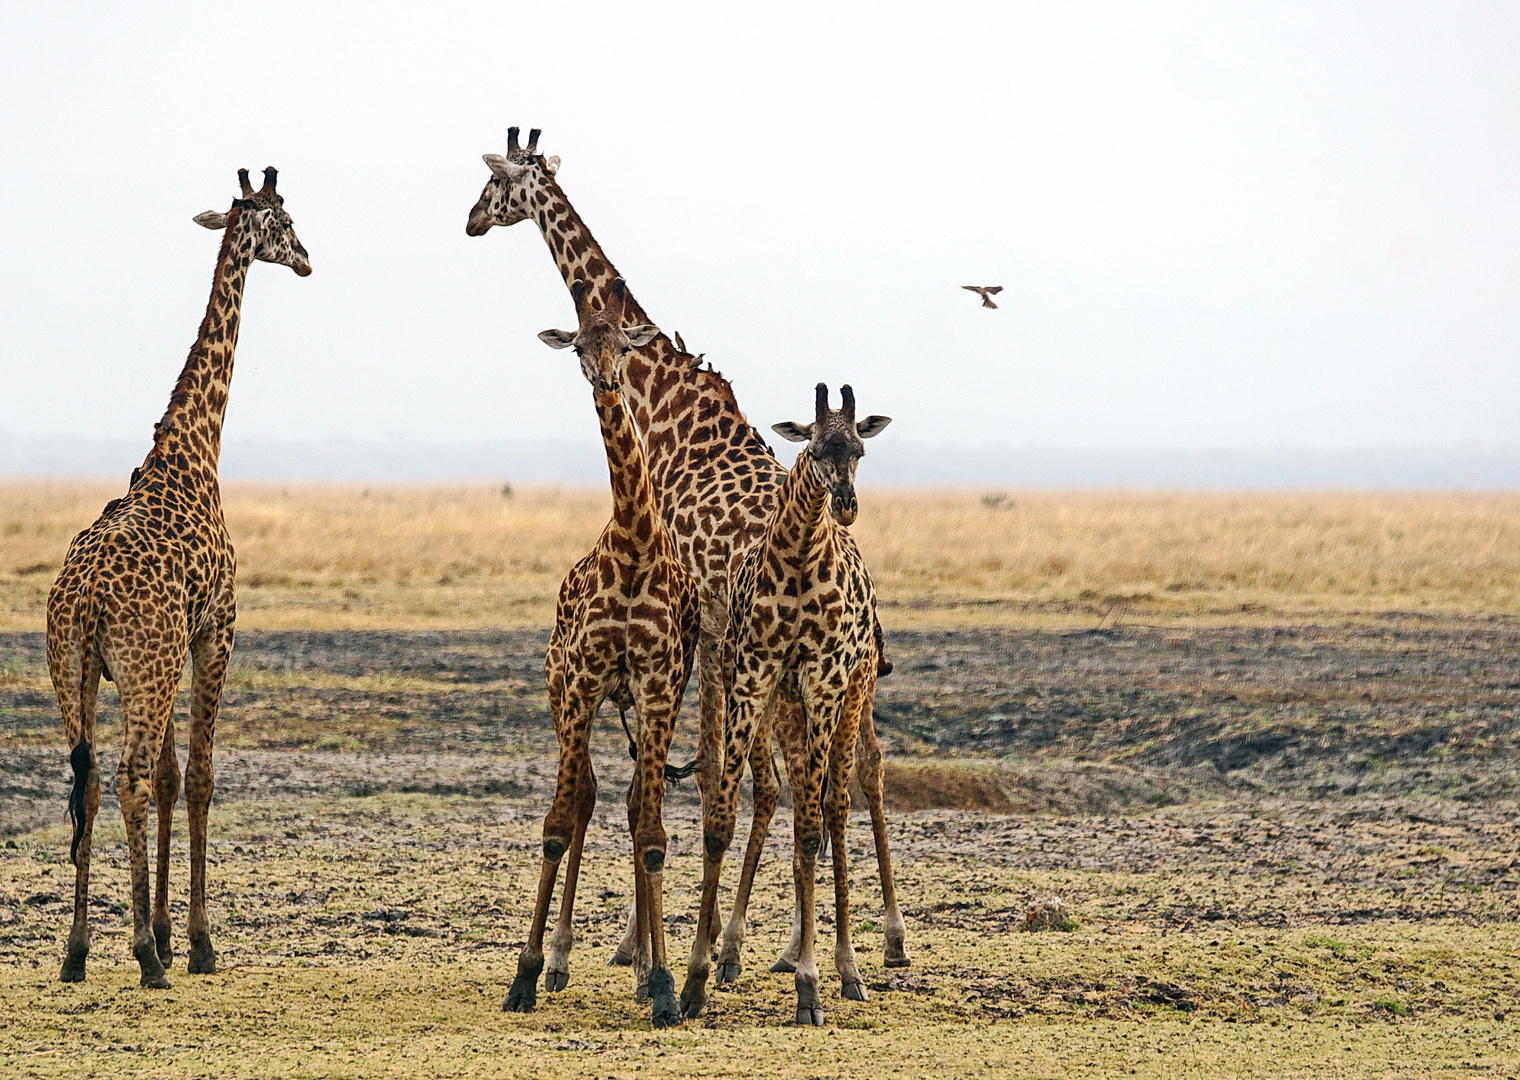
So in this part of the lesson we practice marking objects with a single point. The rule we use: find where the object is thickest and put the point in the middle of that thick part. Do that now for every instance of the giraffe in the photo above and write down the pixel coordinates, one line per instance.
(802, 628)
(716, 481)
(625, 627)
(149, 584)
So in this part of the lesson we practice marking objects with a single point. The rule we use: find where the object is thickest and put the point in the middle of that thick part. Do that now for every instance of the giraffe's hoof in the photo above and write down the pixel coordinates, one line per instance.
(145, 949)
(620, 959)
(855, 991)
(662, 988)
(693, 997)
(782, 966)
(729, 970)
(73, 970)
(807, 1017)
(163, 937)
(523, 995)
(555, 981)
(202, 955)
(900, 960)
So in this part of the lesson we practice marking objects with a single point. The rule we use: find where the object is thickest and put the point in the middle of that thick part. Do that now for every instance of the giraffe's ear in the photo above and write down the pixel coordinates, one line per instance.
(872, 425)
(551, 163)
(211, 219)
(557, 339)
(793, 432)
(639, 336)
(500, 166)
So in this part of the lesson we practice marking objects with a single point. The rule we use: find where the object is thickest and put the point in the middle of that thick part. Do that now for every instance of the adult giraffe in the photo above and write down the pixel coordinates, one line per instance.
(150, 584)
(717, 483)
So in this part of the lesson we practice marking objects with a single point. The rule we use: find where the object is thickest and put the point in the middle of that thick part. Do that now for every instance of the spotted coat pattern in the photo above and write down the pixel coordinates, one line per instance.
(625, 628)
(802, 630)
(715, 479)
(149, 585)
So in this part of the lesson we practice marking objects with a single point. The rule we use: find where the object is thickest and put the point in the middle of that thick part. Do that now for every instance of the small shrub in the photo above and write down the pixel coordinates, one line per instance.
(1048, 913)
(998, 500)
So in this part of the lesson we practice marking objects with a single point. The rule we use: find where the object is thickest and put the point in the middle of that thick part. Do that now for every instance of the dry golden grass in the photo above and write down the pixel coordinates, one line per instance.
(469, 556)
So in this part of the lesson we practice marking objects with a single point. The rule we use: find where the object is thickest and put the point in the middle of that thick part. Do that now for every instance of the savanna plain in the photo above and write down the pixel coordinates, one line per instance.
(1263, 748)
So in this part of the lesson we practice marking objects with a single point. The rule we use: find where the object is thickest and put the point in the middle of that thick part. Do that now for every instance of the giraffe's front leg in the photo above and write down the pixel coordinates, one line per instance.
(718, 815)
(165, 794)
(210, 654)
(572, 721)
(804, 771)
(762, 768)
(868, 766)
(836, 817)
(557, 969)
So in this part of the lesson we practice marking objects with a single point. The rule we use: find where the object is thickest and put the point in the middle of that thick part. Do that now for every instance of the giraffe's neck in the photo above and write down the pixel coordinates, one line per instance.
(801, 525)
(635, 515)
(187, 442)
(686, 415)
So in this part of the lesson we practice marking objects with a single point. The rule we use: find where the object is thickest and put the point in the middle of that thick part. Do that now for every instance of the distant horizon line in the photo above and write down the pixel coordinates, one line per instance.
(1476, 466)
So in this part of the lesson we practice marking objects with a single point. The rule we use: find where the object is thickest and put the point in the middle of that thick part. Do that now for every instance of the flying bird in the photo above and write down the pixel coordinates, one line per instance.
(986, 292)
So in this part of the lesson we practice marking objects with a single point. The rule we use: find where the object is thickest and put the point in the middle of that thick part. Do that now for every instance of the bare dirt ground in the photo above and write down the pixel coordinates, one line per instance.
(1289, 851)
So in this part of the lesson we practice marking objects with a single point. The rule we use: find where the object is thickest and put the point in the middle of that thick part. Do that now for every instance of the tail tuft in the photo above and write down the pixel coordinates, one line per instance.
(80, 759)
(674, 774)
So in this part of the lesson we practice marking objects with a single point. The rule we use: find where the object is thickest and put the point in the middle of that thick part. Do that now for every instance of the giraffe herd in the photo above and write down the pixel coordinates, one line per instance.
(716, 557)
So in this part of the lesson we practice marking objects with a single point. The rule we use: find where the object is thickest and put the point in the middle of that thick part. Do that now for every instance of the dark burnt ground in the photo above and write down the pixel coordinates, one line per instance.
(1080, 721)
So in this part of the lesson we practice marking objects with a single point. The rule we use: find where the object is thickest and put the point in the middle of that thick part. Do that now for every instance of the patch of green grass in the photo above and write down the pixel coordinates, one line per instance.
(1340, 949)
(1391, 1005)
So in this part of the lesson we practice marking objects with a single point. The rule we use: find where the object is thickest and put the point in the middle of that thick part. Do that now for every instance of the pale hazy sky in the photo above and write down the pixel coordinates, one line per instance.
(1217, 224)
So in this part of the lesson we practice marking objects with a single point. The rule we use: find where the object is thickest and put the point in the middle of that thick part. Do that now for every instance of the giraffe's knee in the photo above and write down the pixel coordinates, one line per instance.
(554, 848)
(199, 785)
(809, 844)
(716, 841)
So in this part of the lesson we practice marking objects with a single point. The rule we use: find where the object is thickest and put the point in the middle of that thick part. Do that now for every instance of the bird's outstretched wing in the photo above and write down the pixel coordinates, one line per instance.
(994, 289)
(972, 288)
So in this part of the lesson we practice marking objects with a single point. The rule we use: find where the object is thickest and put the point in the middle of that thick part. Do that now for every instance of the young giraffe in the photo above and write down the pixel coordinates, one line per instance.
(803, 628)
(717, 483)
(150, 583)
(625, 627)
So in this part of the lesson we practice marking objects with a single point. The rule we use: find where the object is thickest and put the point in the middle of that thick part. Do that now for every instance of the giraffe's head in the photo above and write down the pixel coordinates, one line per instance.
(506, 200)
(602, 342)
(262, 218)
(834, 448)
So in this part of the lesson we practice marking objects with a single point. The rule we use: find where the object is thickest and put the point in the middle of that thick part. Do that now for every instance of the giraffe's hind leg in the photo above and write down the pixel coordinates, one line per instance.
(84, 805)
(147, 708)
(165, 795)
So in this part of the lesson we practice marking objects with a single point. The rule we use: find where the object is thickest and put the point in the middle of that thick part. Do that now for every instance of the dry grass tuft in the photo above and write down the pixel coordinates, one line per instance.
(472, 556)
